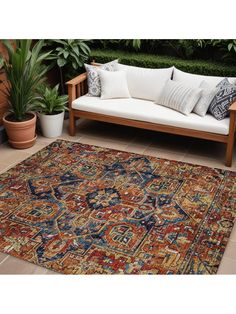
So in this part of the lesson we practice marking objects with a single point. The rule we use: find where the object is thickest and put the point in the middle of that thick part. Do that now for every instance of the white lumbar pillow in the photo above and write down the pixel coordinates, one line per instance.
(193, 80)
(113, 84)
(203, 103)
(179, 97)
(145, 83)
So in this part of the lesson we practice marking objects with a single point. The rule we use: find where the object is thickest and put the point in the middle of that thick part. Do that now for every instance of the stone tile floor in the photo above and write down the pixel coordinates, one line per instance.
(161, 145)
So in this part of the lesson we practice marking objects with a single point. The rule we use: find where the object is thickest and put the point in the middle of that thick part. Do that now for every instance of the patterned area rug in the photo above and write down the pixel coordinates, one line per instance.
(81, 209)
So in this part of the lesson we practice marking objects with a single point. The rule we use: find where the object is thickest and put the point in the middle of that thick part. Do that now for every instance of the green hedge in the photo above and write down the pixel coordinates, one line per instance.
(157, 61)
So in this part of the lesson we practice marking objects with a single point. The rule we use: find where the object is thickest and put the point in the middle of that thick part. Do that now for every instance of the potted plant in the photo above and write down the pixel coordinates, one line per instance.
(69, 56)
(51, 107)
(24, 72)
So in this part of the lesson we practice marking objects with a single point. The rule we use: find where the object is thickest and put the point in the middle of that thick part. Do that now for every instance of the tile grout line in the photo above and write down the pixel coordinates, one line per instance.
(4, 259)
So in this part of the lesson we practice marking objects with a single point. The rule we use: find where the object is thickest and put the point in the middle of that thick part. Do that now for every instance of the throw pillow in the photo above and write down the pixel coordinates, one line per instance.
(225, 95)
(179, 97)
(113, 84)
(203, 104)
(94, 85)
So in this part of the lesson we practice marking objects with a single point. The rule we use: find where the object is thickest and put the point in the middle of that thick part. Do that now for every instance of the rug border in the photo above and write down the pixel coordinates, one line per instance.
(117, 150)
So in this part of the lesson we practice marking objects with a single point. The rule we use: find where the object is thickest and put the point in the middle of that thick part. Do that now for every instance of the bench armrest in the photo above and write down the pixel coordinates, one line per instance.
(78, 79)
(77, 87)
(233, 107)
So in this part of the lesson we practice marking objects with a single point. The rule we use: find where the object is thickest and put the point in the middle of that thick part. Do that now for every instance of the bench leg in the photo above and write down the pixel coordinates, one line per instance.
(72, 120)
(229, 154)
(230, 143)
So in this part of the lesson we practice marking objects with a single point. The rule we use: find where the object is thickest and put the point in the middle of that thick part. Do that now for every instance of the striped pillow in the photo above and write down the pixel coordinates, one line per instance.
(179, 97)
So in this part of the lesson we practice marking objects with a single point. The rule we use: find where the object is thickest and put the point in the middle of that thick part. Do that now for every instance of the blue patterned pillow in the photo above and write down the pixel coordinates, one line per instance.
(225, 95)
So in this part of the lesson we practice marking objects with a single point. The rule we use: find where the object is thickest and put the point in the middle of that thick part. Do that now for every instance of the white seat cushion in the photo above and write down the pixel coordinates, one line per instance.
(145, 83)
(194, 80)
(143, 110)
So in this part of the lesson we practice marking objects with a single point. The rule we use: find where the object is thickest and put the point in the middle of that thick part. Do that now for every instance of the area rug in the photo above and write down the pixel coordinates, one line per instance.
(82, 209)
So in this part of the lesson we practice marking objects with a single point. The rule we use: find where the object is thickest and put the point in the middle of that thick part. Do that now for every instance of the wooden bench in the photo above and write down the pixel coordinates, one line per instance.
(78, 87)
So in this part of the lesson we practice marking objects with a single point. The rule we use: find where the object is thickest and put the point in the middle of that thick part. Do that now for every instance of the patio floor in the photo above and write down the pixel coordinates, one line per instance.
(161, 145)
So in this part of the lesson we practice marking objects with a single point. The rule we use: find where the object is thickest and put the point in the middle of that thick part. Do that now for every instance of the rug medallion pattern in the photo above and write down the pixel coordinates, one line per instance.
(81, 209)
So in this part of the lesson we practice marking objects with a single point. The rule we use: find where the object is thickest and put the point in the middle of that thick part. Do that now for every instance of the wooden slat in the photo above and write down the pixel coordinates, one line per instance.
(71, 94)
(3, 109)
(82, 88)
(3, 98)
(86, 87)
(78, 91)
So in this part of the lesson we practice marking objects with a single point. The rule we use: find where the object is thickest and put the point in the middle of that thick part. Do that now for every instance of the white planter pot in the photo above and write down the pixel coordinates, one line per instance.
(51, 125)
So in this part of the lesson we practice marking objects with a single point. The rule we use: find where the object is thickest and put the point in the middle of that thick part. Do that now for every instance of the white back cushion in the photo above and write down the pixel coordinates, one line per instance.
(145, 83)
(113, 84)
(194, 80)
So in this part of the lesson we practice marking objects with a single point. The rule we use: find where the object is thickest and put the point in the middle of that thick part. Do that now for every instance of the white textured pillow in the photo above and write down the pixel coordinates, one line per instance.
(204, 102)
(113, 84)
(193, 80)
(179, 97)
(145, 83)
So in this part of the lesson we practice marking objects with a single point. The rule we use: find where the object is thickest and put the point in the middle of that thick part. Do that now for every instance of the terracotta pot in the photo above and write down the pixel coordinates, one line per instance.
(20, 134)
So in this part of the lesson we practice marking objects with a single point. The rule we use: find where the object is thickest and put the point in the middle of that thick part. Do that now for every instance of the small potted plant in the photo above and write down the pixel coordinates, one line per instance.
(24, 72)
(51, 109)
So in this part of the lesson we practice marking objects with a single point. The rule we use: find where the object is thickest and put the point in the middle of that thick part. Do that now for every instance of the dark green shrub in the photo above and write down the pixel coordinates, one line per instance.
(157, 61)
(219, 50)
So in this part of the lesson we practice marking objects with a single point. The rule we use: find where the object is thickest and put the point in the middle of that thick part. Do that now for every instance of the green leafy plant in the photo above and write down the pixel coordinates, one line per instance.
(1, 63)
(133, 43)
(232, 45)
(223, 49)
(69, 55)
(50, 102)
(226, 48)
(72, 51)
(24, 72)
(181, 48)
(128, 44)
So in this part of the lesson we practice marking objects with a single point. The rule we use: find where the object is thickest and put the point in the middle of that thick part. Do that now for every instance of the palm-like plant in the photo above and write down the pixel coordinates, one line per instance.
(24, 72)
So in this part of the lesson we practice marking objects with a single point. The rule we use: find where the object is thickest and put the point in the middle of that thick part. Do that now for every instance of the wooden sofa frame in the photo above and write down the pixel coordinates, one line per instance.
(78, 87)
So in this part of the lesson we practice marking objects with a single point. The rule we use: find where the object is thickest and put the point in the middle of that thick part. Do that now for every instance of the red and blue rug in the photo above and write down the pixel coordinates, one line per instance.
(81, 209)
